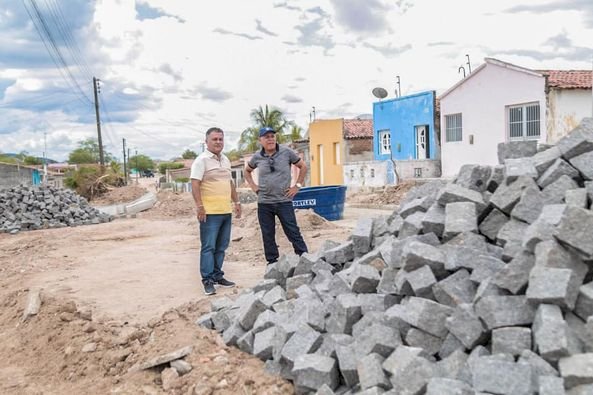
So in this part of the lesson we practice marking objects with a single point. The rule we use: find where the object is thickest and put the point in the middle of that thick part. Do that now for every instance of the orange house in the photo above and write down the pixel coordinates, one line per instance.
(334, 142)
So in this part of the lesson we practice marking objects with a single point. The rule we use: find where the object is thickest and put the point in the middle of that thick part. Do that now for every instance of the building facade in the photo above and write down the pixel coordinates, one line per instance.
(407, 137)
(501, 102)
(336, 143)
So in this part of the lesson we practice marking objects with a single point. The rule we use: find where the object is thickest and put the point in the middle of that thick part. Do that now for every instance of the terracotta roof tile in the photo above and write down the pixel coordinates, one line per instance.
(358, 128)
(568, 79)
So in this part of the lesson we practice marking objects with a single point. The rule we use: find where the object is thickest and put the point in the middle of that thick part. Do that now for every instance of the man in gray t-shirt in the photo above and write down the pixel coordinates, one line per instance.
(274, 192)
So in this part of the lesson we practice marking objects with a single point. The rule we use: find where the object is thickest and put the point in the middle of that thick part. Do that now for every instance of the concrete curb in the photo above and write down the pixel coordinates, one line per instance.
(144, 202)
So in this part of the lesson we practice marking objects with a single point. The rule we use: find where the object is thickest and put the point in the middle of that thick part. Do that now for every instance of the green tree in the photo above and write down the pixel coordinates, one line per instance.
(32, 160)
(169, 165)
(295, 132)
(81, 156)
(189, 154)
(249, 140)
(116, 167)
(88, 152)
(141, 162)
(262, 117)
(233, 154)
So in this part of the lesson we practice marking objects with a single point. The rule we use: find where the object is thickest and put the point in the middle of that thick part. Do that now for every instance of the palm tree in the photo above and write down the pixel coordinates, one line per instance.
(249, 140)
(269, 117)
(295, 133)
(262, 117)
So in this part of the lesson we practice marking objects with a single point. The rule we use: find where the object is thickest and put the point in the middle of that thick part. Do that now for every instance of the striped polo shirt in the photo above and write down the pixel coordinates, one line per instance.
(215, 177)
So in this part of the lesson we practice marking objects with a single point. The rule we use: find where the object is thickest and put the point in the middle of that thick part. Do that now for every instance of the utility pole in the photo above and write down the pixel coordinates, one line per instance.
(125, 172)
(137, 172)
(95, 88)
(45, 158)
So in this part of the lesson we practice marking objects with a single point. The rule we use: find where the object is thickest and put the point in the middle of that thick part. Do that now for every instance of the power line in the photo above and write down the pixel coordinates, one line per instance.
(45, 34)
(35, 99)
(69, 41)
(110, 132)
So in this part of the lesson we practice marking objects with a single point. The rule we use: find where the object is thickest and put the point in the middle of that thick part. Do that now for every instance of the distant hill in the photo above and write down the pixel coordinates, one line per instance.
(12, 155)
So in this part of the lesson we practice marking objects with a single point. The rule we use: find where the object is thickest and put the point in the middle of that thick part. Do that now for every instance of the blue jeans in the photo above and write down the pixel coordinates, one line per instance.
(215, 235)
(266, 213)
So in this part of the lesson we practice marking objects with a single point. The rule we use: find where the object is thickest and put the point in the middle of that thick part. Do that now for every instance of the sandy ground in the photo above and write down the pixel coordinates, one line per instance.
(117, 294)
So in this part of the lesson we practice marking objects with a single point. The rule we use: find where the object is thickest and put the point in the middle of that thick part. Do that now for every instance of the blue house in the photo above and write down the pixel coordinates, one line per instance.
(407, 133)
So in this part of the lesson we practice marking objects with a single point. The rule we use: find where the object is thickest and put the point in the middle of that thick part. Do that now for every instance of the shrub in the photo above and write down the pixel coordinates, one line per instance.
(88, 181)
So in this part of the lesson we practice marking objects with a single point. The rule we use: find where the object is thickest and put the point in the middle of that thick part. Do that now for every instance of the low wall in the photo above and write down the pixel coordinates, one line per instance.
(427, 168)
(14, 175)
(368, 174)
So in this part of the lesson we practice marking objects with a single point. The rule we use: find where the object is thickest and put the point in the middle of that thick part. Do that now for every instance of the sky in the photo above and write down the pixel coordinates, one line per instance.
(170, 69)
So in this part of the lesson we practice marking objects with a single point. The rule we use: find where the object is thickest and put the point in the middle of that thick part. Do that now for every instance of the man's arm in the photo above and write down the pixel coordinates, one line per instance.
(302, 166)
(293, 190)
(235, 199)
(249, 178)
(195, 191)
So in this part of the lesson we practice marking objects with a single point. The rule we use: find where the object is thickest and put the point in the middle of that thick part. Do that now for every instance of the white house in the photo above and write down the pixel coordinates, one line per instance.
(501, 102)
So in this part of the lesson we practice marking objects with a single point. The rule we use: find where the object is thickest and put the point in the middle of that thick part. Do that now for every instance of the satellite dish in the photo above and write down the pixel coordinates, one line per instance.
(380, 93)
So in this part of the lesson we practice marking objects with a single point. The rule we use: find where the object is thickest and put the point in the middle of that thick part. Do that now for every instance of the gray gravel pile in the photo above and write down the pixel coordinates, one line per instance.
(481, 286)
(43, 207)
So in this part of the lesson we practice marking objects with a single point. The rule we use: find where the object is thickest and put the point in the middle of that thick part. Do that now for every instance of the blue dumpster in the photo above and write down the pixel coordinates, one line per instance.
(327, 201)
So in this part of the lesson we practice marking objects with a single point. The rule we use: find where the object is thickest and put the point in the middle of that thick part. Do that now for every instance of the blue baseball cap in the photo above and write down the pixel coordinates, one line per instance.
(263, 131)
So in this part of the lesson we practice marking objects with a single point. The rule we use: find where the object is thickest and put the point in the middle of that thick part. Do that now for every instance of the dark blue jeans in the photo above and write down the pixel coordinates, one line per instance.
(215, 235)
(266, 213)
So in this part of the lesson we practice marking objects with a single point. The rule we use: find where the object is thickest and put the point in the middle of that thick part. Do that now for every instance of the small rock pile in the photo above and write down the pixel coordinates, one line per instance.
(42, 207)
(481, 286)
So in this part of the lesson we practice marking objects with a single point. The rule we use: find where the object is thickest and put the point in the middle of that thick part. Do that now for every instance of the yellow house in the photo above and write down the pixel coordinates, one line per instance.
(333, 142)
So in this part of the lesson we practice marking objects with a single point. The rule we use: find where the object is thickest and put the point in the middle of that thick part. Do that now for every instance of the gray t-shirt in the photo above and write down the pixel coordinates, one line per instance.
(273, 184)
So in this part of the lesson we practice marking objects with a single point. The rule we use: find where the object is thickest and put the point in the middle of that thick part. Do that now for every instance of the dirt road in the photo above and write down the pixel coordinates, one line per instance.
(129, 290)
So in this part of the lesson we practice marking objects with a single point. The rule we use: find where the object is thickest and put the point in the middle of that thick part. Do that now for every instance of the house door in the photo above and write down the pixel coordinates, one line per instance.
(321, 164)
(421, 141)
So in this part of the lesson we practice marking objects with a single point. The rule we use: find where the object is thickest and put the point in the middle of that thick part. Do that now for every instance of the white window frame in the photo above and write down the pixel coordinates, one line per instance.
(453, 128)
(384, 141)
(524, 122)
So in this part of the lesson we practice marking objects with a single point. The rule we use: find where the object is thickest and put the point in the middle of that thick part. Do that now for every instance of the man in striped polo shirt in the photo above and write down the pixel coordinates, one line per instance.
(214, 192)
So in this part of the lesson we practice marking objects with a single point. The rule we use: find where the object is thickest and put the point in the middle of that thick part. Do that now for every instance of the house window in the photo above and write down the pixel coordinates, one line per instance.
(384, 142)
(361, 172)
(336, 153)
(351, 173)
(372, 173)
(453, 128)
(524, 122)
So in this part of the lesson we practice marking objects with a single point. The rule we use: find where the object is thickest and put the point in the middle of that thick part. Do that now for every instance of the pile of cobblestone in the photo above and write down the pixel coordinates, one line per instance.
(481, 286)
(42, 207)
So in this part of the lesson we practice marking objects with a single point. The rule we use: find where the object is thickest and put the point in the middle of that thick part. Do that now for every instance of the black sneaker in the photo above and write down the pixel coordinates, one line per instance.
(209, 288)
(223, 282)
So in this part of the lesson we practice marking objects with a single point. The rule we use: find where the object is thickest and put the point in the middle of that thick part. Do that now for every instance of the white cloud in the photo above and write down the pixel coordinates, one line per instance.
(173, 68)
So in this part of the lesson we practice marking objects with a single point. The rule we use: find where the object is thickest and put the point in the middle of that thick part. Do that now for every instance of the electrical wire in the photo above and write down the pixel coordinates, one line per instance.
(68, 40)
(50, 44)
(35, 99)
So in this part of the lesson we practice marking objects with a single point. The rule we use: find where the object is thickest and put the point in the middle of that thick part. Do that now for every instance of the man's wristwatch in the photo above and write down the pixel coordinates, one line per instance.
(298, 185)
